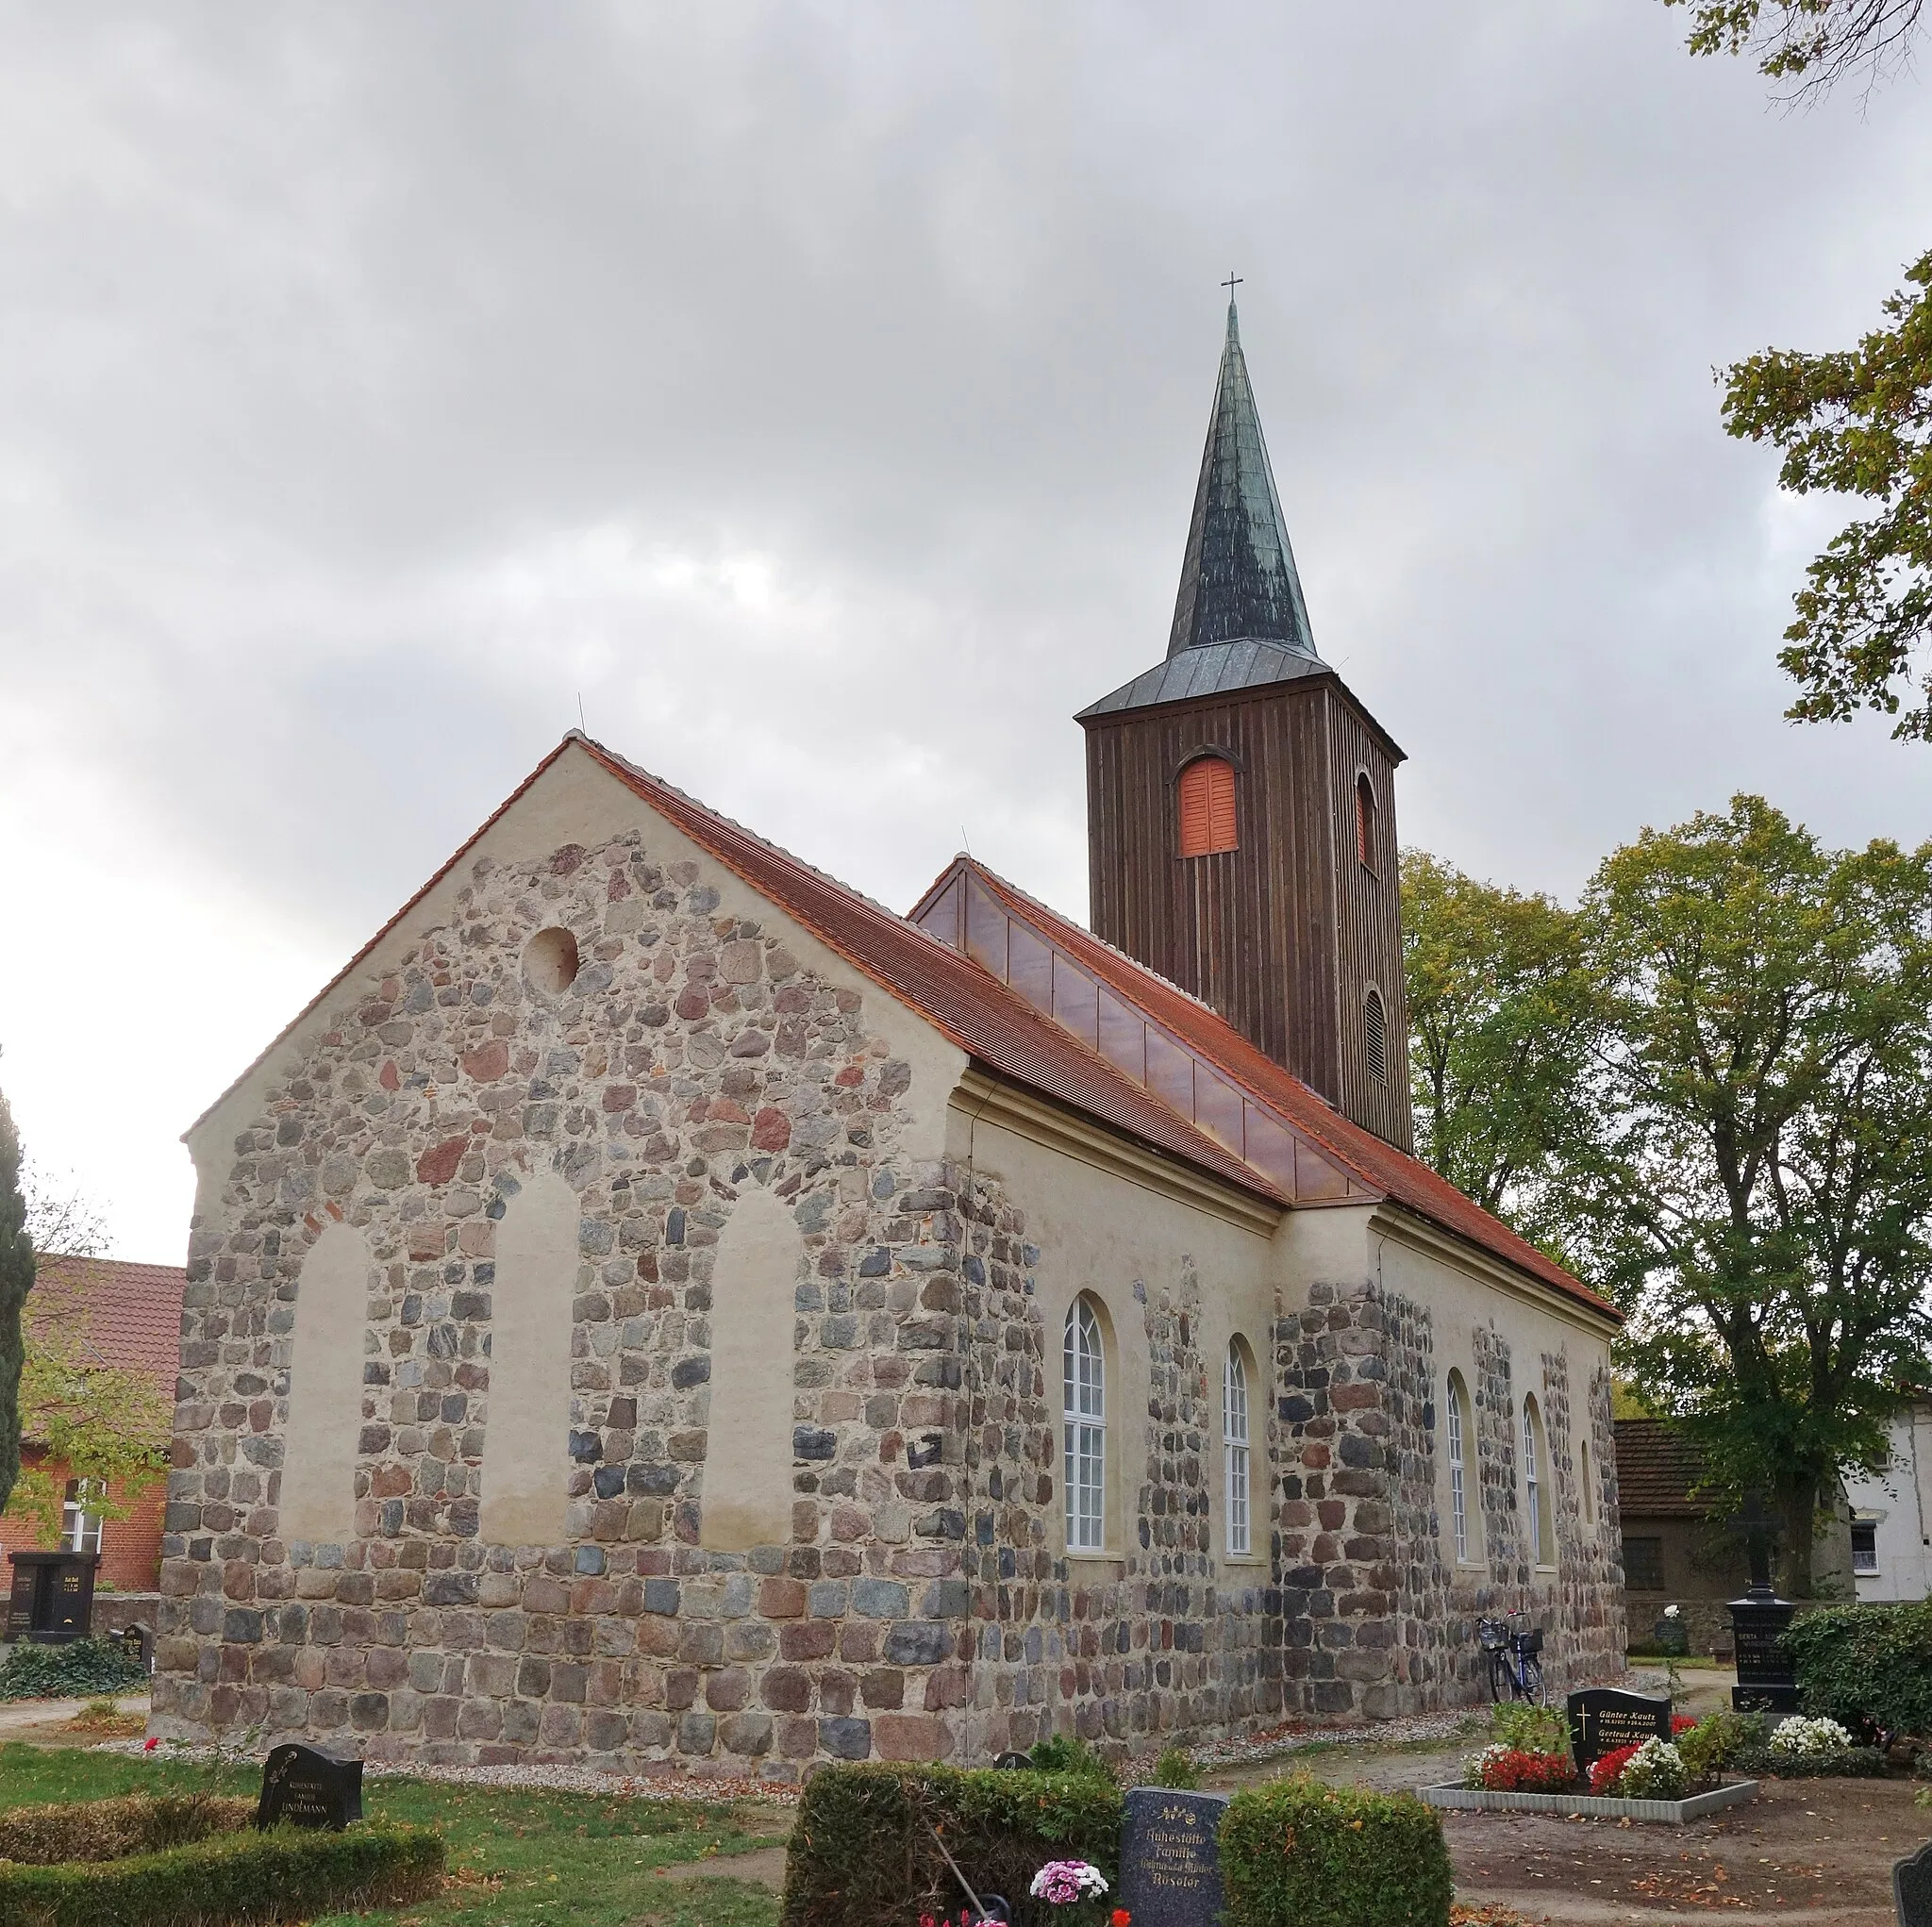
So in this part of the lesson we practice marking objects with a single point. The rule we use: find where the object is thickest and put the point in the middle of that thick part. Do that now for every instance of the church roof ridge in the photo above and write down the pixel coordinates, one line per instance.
(1382, 1167)
(1046, 909)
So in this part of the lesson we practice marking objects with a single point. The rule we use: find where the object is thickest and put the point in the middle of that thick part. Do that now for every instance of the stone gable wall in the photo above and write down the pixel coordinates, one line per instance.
(693, 1057)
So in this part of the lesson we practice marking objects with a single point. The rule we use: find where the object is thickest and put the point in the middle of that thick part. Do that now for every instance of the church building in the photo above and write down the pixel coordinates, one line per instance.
(658, 1308)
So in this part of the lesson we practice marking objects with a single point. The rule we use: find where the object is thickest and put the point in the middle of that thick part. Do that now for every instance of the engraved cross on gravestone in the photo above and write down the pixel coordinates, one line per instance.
(1171, 1857)
(1602, 1720)
(309, 1787)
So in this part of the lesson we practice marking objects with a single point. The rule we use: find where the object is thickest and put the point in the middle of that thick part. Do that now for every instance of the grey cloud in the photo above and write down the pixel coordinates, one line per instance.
(817, 391)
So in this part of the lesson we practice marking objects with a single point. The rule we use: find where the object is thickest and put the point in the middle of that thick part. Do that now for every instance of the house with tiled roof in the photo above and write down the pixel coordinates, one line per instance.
(658, 1307)
(128, 1317)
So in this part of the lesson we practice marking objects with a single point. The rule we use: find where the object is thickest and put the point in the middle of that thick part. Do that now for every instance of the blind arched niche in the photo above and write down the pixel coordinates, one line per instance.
(324, 1424)
(747, 1497)
(526, 1434)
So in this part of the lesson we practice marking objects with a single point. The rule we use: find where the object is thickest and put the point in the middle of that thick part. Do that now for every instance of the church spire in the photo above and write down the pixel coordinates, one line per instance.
(1238, 580)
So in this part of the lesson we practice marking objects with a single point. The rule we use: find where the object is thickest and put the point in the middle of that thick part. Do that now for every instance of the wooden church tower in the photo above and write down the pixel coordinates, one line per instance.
(1241, 802)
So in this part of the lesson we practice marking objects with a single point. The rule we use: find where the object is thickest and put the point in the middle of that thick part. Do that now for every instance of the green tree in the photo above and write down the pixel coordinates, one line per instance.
(1857, 422)
(1502, 1019)
(1851, 421)
(16, 1281)
(1756, 1189)
(102, 1425)
(1814, 42)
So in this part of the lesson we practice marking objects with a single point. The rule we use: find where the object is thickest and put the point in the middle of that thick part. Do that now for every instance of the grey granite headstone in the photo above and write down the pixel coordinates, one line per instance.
(1912, 1888)
(1171, 1858)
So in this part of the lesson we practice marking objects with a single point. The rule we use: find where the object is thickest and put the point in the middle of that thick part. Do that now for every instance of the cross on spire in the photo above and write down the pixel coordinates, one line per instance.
(1232, 282)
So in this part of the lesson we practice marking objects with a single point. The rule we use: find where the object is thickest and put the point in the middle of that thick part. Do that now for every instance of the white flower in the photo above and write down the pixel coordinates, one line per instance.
(1674, 1612)
(1654, 1771)
(1798, 1735)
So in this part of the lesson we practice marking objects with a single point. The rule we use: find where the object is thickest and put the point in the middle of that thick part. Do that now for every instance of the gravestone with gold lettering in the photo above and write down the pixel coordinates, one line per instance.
(1171, 1858)
(1603, 1718)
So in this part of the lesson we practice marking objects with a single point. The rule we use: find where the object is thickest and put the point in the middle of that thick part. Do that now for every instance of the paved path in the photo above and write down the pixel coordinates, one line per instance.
(18, 1714)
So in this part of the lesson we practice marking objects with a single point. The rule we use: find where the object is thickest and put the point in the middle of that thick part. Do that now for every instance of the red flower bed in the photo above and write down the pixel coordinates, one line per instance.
(1681, 1722)
(1516, 1772)
(1604, 1774)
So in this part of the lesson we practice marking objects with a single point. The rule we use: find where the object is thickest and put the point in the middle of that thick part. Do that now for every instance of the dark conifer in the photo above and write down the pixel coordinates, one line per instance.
(16, 1280)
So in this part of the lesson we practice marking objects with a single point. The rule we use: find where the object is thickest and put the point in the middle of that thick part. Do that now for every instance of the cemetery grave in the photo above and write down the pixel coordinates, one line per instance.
(512, 1859)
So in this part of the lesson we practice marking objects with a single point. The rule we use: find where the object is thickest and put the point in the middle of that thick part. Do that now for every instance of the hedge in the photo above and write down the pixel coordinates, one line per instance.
(1297, 1853)
(861, 1856)
(1867, 1667)
(1848, 1763)
(114, 1829)
(230, 1880)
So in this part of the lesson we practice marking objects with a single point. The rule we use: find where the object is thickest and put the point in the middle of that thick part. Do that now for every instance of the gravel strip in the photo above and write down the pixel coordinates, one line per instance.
(1280, 1742)
(551, 1778)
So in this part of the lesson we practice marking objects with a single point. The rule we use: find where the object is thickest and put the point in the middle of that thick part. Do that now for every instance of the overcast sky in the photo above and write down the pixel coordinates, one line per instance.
(816, 393)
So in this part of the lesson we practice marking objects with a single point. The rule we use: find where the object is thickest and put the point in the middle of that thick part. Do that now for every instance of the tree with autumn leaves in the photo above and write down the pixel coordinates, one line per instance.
(1853, 422)
(98, 1424)
(1707, 1089)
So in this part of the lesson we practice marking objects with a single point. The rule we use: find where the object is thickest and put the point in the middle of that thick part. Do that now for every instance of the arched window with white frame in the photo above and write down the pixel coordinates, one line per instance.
(1454, 1422)
(1234, 1451)
(1536, 1492)
(1083, 1381)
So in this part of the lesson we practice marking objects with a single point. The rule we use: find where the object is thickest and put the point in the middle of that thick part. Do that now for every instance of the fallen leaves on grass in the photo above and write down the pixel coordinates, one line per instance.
(1461, 1916)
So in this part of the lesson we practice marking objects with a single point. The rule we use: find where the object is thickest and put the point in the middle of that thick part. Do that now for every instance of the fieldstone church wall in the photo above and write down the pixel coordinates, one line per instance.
(690, 1060)
(590, 1074)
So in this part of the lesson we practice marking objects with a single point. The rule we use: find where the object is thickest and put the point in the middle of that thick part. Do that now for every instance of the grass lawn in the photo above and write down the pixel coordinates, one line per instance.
(518, 1859)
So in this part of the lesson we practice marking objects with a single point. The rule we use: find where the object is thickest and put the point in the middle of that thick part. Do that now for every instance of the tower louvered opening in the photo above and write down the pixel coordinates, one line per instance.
(1376, 1035)
(1207, 807)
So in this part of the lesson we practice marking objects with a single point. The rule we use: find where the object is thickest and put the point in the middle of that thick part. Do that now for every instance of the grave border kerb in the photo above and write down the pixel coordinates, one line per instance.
(1668, 1811)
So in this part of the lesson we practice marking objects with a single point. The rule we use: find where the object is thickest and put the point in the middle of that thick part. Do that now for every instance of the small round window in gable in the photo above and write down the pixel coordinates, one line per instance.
(1375, 1033)
(550, 961)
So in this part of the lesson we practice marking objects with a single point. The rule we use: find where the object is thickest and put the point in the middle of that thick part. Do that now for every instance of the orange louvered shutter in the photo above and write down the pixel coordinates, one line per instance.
(1207, 807)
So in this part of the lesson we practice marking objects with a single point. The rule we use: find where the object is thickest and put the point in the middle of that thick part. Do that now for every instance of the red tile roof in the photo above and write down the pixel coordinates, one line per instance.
(966, 1003)
(1657, 1467)
(998, 1028)
(133, 1312)
(1380, 1165)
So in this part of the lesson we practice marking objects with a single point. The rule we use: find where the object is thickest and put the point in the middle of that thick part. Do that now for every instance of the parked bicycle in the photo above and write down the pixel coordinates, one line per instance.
(1516, 1667)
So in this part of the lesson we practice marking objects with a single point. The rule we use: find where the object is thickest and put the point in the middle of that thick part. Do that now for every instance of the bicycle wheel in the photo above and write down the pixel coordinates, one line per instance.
(1501, 1683)
(1532, 1687)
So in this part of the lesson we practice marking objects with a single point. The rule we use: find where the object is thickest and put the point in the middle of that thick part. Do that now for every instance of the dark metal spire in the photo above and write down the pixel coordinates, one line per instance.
(1238, 580)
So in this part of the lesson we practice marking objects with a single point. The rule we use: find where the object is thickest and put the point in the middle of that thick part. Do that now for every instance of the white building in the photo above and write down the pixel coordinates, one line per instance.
(1892, 1517)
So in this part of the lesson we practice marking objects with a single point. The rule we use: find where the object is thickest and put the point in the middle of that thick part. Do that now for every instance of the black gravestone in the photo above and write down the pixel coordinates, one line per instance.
(1765, 1680)
(309, 1787)
(52, 1600)
(1912, 1888)
(1766, 1683)
(1602, 1720)
(1171, 1858)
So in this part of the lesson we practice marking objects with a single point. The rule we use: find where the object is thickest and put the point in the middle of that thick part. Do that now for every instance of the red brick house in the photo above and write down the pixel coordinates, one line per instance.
(134, 1323)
